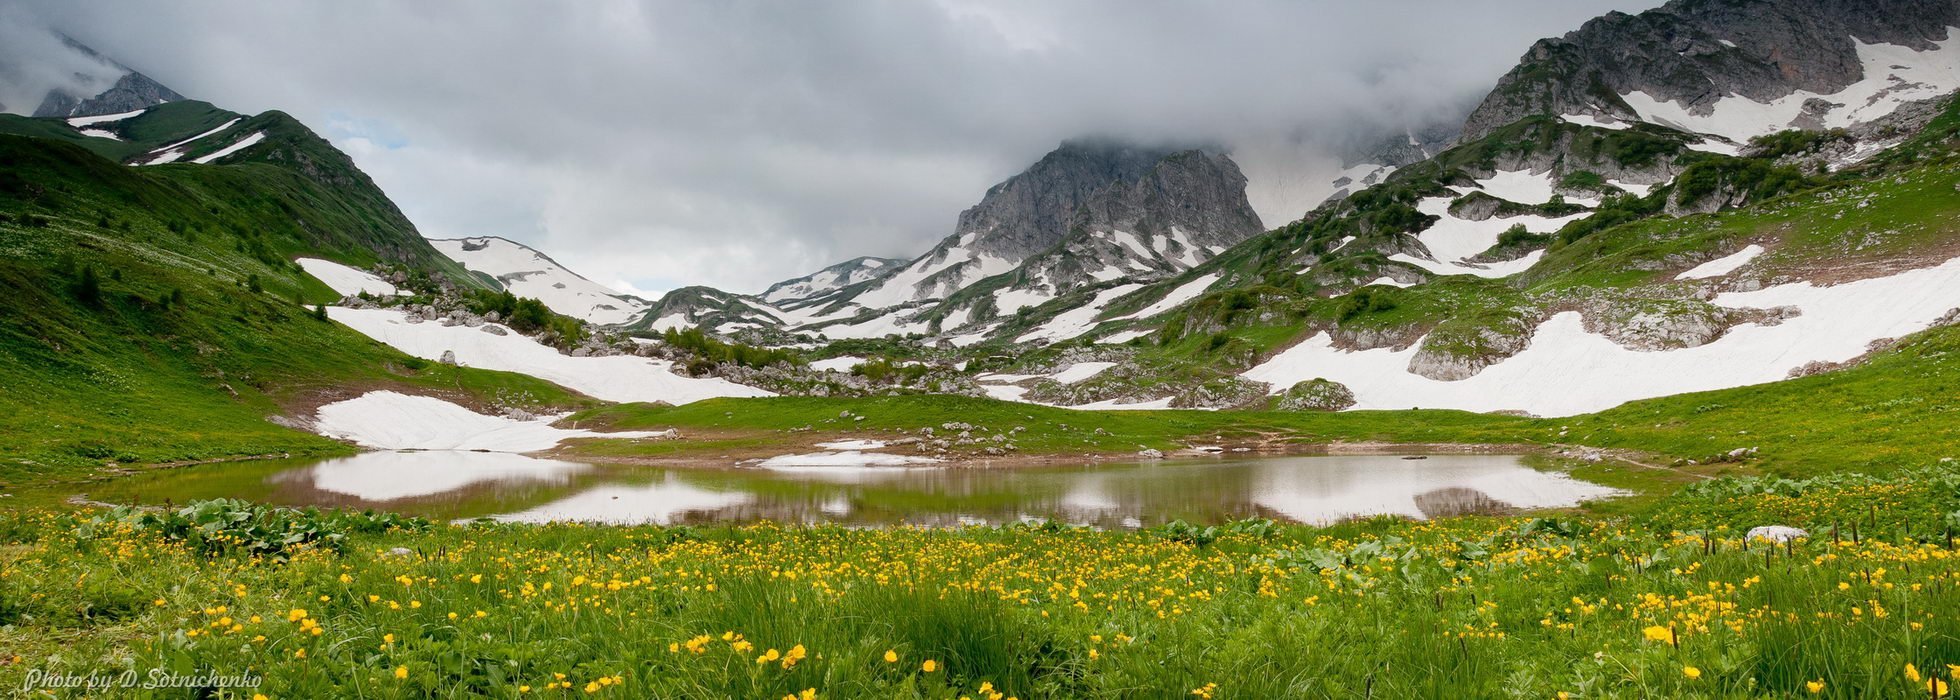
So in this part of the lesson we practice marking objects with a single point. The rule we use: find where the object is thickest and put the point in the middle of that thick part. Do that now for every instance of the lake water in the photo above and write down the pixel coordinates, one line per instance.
(458, 485)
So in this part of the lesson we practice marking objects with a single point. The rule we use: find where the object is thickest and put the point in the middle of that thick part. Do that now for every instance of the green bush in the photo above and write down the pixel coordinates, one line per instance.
(226, 526)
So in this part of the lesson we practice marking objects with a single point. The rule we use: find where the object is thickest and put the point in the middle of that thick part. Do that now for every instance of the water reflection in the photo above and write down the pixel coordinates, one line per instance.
(459, 485)
(380, 477)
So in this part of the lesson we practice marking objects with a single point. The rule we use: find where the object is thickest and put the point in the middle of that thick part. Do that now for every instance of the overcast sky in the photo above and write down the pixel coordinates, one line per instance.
(650, 145)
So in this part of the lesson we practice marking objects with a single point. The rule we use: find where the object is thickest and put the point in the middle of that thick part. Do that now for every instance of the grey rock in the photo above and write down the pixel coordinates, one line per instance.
(1316, 395)
(1678, 53)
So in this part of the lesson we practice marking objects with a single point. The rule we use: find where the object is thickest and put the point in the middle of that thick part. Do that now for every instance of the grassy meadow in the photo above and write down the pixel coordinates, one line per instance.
(1673, 602)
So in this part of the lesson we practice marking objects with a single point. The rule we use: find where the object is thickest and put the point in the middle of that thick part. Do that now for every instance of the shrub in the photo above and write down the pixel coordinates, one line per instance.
(1366, 300)
(225, 526)
(88, 287)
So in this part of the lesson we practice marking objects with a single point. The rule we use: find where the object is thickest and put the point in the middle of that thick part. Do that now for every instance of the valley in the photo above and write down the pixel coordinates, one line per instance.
(1499, 409)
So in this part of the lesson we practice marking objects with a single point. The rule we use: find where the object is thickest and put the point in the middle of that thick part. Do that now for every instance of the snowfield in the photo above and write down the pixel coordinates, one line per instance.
(903, 286)
(622, 378)
(1450, 240)
(529, 273)
(1074, 322)
(345, 280)
(1894, 75)
(1566, 370)
(389, 420)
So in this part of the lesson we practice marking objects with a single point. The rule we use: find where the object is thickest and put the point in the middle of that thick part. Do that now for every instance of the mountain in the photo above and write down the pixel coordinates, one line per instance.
(1735, 68)
(95, 85)
(165, 312)
(1085, 214)
(830, 279)
(1370, 162)
(529, 273)
(1629, 213)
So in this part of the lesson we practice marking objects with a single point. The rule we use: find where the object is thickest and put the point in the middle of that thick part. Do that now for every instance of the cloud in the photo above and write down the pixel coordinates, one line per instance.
(738, 143)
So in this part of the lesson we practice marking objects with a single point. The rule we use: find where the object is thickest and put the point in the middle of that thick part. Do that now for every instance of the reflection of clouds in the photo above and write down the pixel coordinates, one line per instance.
(1328, 489)
(387, 476)
(1089, 495)
(1305, 489)
(658, 503)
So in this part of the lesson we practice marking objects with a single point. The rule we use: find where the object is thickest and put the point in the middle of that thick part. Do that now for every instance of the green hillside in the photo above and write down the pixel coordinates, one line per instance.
(155, 314)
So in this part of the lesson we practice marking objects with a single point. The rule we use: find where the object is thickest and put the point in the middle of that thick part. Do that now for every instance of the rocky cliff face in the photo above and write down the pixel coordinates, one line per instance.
(1032, 211)
(98, 85)
(1190, 206)
(1181, 203)
(131, 92)
(1696, 52)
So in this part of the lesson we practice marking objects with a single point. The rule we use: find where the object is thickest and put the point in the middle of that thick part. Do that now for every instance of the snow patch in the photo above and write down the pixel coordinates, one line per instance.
(1183, 293)
(837, 364)
(1893, 76)
(1593, 121)
(1080, 371)
(344, 280)
(79, 122)
(242, 144)
(1722, 265)
(1074, 322)
(1566, 370)
(1521, 186)
(1120, 337)
(394, 421)
(170, 153)
(528, 273)
(622, 378)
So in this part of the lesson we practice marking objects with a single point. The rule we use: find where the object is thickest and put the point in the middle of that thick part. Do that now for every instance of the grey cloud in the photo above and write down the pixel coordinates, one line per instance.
(737, 143)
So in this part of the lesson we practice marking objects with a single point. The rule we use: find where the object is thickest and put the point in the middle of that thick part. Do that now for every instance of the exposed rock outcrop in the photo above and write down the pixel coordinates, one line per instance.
(1695, 52)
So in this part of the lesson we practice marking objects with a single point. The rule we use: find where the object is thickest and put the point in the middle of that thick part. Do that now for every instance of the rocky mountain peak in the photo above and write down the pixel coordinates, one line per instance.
(1029, 212)
(1694, 53)
(101, 86)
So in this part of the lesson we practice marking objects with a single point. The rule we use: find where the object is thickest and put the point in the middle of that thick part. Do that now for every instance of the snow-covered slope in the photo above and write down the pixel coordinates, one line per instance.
(529, 273)
(343, 279)
(1568, 370)
(830, 279)
(388, 420)
(1893, 76)
(620, 378)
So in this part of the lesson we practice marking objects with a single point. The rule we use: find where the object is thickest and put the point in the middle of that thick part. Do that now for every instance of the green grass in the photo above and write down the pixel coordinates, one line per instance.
(155, 128)
(177, 357)
(1892, 412)
(1466, 607)
(1046, 429)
